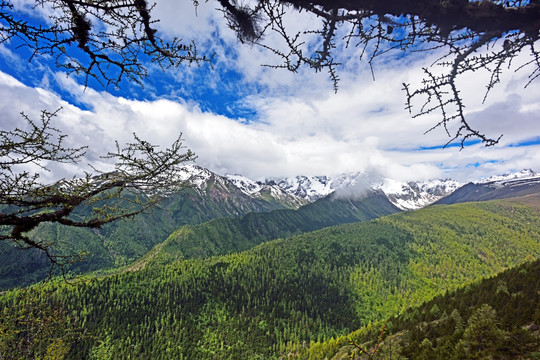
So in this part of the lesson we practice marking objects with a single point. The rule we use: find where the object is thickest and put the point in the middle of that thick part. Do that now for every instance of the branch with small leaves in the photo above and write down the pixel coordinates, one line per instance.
(473, 35)
(34, 325)
(143, 175)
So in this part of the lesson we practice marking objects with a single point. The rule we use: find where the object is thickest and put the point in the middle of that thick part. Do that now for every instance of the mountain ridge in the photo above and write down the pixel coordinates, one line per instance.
(410, 195)
(406, 195)
(495, 187)
(272, 299)
(213, 196)
(122, 242)
(228, 235)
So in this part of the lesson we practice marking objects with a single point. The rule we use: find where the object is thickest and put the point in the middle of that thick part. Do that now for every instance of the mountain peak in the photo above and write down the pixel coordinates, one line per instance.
(247, 186)
(310, 188)
(522, 174)
(414, 195)
(301, 189)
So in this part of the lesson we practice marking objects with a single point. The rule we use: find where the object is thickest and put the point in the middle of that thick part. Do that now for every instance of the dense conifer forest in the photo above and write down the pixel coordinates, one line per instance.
(120, 243)
(228, 235)
(237, 227)
(495, 318)
(281, 296)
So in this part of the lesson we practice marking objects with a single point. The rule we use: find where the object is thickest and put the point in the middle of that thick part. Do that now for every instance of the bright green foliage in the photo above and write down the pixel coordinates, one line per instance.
(312, 288)
(228, 235)
(102, 350)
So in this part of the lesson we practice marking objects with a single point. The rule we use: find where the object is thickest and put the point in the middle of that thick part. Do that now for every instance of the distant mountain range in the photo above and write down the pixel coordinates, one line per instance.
(212, 196)
(521, 183)
(409, 195)
(523, 174)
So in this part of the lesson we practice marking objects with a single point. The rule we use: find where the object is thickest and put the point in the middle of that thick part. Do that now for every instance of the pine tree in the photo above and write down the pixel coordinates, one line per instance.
(482, 335)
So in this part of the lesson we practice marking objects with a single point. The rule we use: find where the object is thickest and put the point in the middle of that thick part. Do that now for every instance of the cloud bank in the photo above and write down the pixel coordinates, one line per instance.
(297, 125)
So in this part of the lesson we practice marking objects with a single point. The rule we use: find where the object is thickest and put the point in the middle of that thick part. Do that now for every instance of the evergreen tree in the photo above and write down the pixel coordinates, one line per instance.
(482, 335)
(458, 321)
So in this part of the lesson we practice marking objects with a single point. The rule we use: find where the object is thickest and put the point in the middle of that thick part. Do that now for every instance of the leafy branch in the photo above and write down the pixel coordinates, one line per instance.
(143, 175)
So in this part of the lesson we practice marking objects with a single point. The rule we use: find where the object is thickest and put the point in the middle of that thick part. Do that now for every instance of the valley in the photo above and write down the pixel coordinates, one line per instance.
(269, 180)
(263, 281)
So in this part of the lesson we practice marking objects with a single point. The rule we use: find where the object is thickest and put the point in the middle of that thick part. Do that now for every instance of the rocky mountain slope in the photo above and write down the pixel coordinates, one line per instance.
(411, 195)
(414, 195)
(303, 189)
(522, 183)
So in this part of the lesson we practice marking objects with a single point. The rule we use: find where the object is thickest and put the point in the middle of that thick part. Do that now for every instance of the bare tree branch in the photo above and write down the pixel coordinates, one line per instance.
(143, 175)
(475, 35)
(104, 40)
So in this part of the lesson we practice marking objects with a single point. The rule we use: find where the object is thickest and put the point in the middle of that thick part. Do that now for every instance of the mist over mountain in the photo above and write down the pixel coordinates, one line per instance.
(406, 195)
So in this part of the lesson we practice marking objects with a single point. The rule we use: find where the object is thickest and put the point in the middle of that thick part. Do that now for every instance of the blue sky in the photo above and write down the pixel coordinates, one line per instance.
(241, 117)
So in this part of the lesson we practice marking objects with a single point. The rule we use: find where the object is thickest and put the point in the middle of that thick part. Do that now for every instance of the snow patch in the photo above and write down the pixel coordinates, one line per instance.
(300, 190)
(523, 174)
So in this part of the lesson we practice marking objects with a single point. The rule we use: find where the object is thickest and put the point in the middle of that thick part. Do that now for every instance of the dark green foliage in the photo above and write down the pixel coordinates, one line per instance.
(482, 334)
(121, 242)
(283, 295)
(499, 325)
(228, 235)
(39, 329)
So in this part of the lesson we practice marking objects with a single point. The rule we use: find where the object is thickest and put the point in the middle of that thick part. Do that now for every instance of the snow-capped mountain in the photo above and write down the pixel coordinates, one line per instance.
(199, 177)
(310, 188)
(268, 190)
(247, 186)
(404, 195)
(409, 195)
(523, 174)
(313, 188)
(295, 191)
(521, 183)
(300, 190)
(414, 195)
(204, 180)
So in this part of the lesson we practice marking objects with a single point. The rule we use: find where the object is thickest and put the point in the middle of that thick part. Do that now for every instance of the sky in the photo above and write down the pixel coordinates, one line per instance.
(241, 117)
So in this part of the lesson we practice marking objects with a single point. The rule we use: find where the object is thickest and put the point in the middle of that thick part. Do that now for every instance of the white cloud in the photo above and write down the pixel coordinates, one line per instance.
(363, 128)
(302, 127)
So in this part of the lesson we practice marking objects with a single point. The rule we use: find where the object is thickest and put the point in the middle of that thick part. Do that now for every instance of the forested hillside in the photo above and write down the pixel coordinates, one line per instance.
(495, 318)
(271, 300)
(228, 235)
(122, 242)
